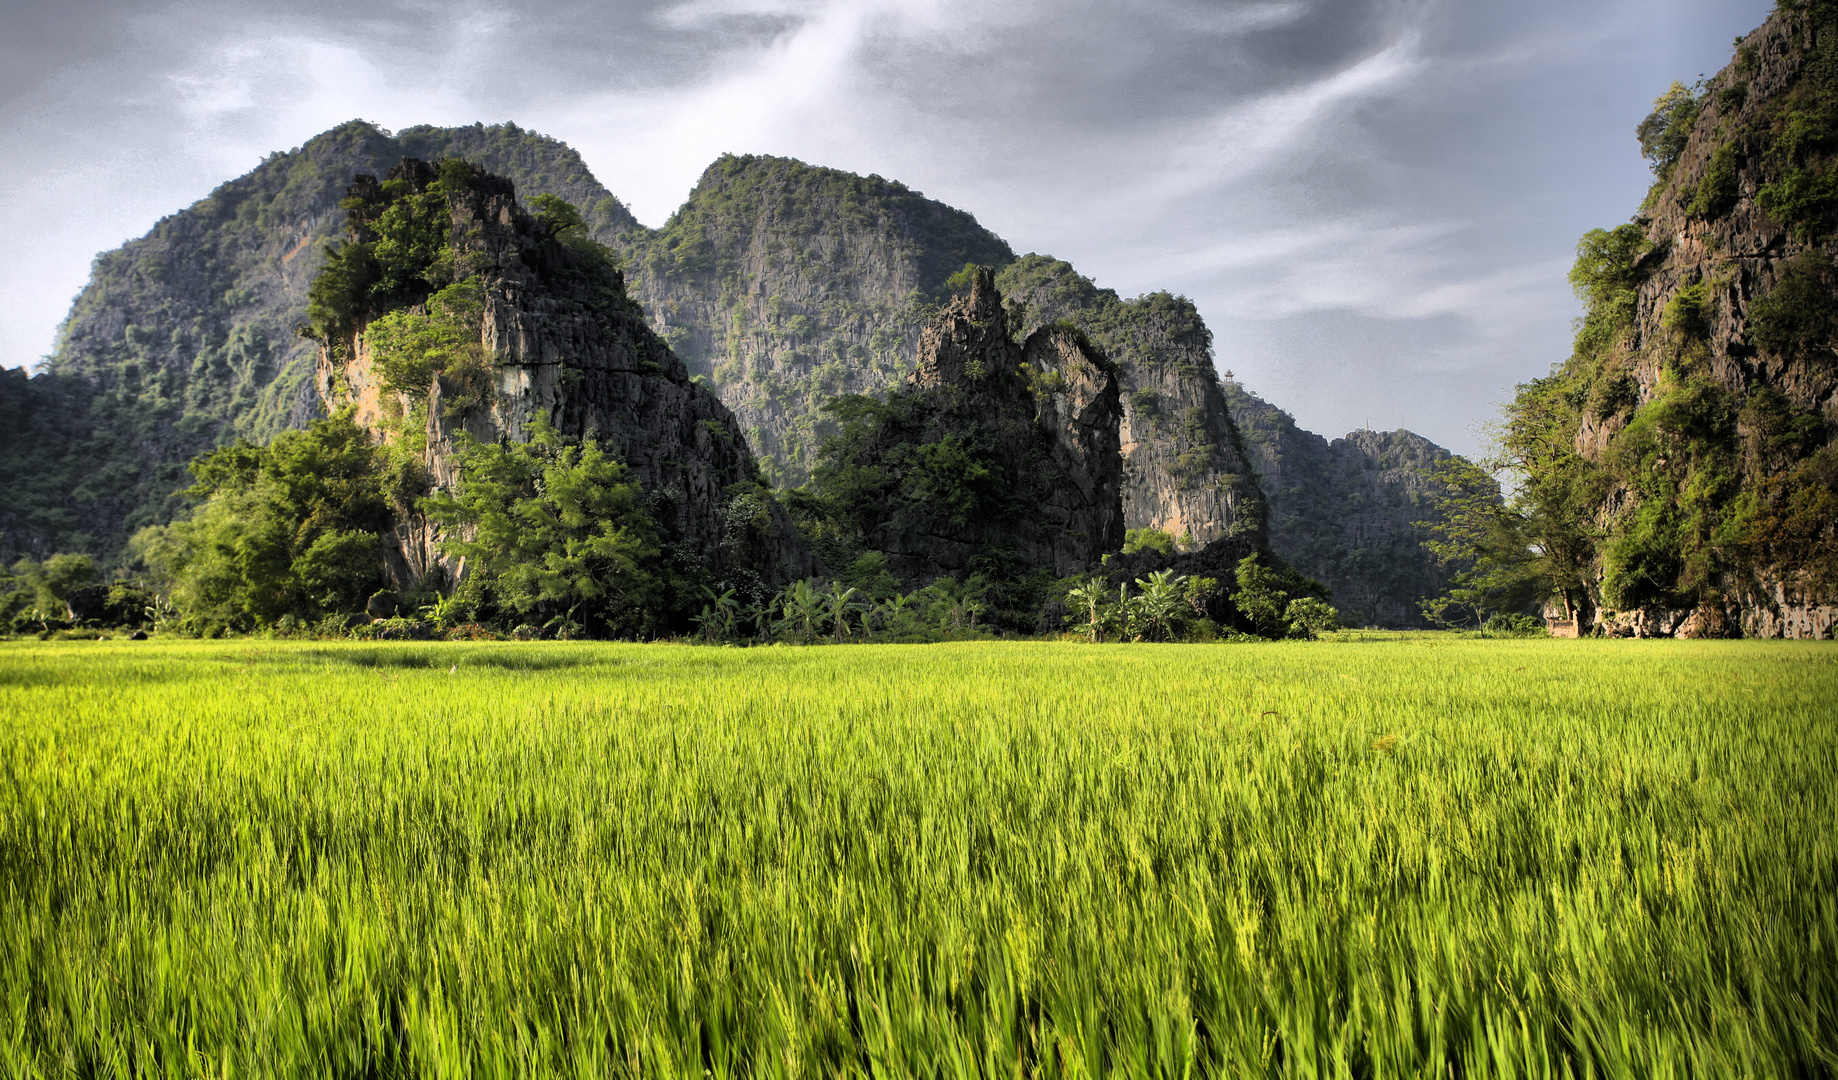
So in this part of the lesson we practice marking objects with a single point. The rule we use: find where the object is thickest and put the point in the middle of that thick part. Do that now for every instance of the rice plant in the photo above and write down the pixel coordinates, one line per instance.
(1393, 858)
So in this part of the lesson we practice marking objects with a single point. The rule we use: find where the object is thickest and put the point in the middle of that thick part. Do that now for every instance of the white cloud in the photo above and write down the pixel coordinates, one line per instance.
(1243, 139)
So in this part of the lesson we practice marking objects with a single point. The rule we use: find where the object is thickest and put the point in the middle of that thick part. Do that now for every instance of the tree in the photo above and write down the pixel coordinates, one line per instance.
(1553, 512)
(287, 529)
(1478, 534)
(1309, 617)
(564, 223)
(51, 582)
(1159, 605)
(552, 530)
(1265, 596)
(1666, 130)
(400, 249)
(953, 604)
(1260, 597)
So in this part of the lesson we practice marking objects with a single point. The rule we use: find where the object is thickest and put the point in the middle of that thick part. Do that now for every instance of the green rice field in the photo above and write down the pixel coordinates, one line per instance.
(1397, 858)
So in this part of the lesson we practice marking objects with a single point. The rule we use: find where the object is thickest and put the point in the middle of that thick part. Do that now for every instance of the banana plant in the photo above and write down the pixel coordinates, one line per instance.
(1159, 605)
(896, 613)
(838, 602)
(445, 612)
(1088, 602)
(802, 607)
(718, 618)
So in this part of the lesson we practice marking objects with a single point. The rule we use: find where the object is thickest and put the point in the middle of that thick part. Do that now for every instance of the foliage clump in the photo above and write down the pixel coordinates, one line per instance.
(556, 535)
(414, 346)
(1666, 130)
(1798, 316)
(400, 250)
(66, 593)
(291, 530)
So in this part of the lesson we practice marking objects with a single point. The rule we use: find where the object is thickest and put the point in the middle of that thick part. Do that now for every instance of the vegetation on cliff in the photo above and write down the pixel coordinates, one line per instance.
(185, 339)
(1678, 471)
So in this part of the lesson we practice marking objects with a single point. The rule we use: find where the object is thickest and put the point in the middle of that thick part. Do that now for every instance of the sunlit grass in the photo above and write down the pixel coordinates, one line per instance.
(1375, 858)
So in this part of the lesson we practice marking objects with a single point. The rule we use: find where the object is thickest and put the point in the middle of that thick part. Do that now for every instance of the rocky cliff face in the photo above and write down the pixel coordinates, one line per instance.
(1185, 470)
(786, 285)
(992, 448)
(1346, 511)
(567, 346)
(185, 339)
(1701, 397)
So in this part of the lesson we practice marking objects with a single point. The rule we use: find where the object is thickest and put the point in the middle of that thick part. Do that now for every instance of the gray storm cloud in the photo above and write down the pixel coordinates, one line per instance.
(1373, 202)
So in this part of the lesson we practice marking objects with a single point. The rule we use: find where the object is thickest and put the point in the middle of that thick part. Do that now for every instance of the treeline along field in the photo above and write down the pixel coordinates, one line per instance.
(1383, 859)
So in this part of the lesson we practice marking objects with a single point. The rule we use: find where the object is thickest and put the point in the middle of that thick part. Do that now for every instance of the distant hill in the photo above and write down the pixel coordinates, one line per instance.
(1345, 511)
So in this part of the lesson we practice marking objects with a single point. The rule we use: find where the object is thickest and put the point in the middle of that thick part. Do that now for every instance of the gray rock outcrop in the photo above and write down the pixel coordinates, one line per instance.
(996, 447)
(567, 346)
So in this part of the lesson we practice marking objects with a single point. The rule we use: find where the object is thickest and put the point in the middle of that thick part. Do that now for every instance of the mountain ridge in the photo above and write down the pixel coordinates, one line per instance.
(781, 285)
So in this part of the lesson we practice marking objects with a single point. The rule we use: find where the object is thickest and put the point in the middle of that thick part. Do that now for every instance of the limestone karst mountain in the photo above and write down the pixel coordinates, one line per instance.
(1683, 459)
(780, 286)
(553, 339)
(1347, 511)
(186, 338)
(993, 449)
(786, 284)
(1185, 470)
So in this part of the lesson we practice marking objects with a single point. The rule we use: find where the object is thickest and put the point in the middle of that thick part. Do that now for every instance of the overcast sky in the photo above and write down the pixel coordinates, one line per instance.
(1373, 202)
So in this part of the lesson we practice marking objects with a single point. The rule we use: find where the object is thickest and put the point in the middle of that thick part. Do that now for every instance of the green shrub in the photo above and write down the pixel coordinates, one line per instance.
(1514, 624)
(1605, 276)
(1716, 190)
(1805, 200)
(1613, 395)
(412, 348)
(869, 575)
(1309, 617)
(1135, 540)
(1266, 595)
(1688, 312)
(400, 251)
(1798, 314)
